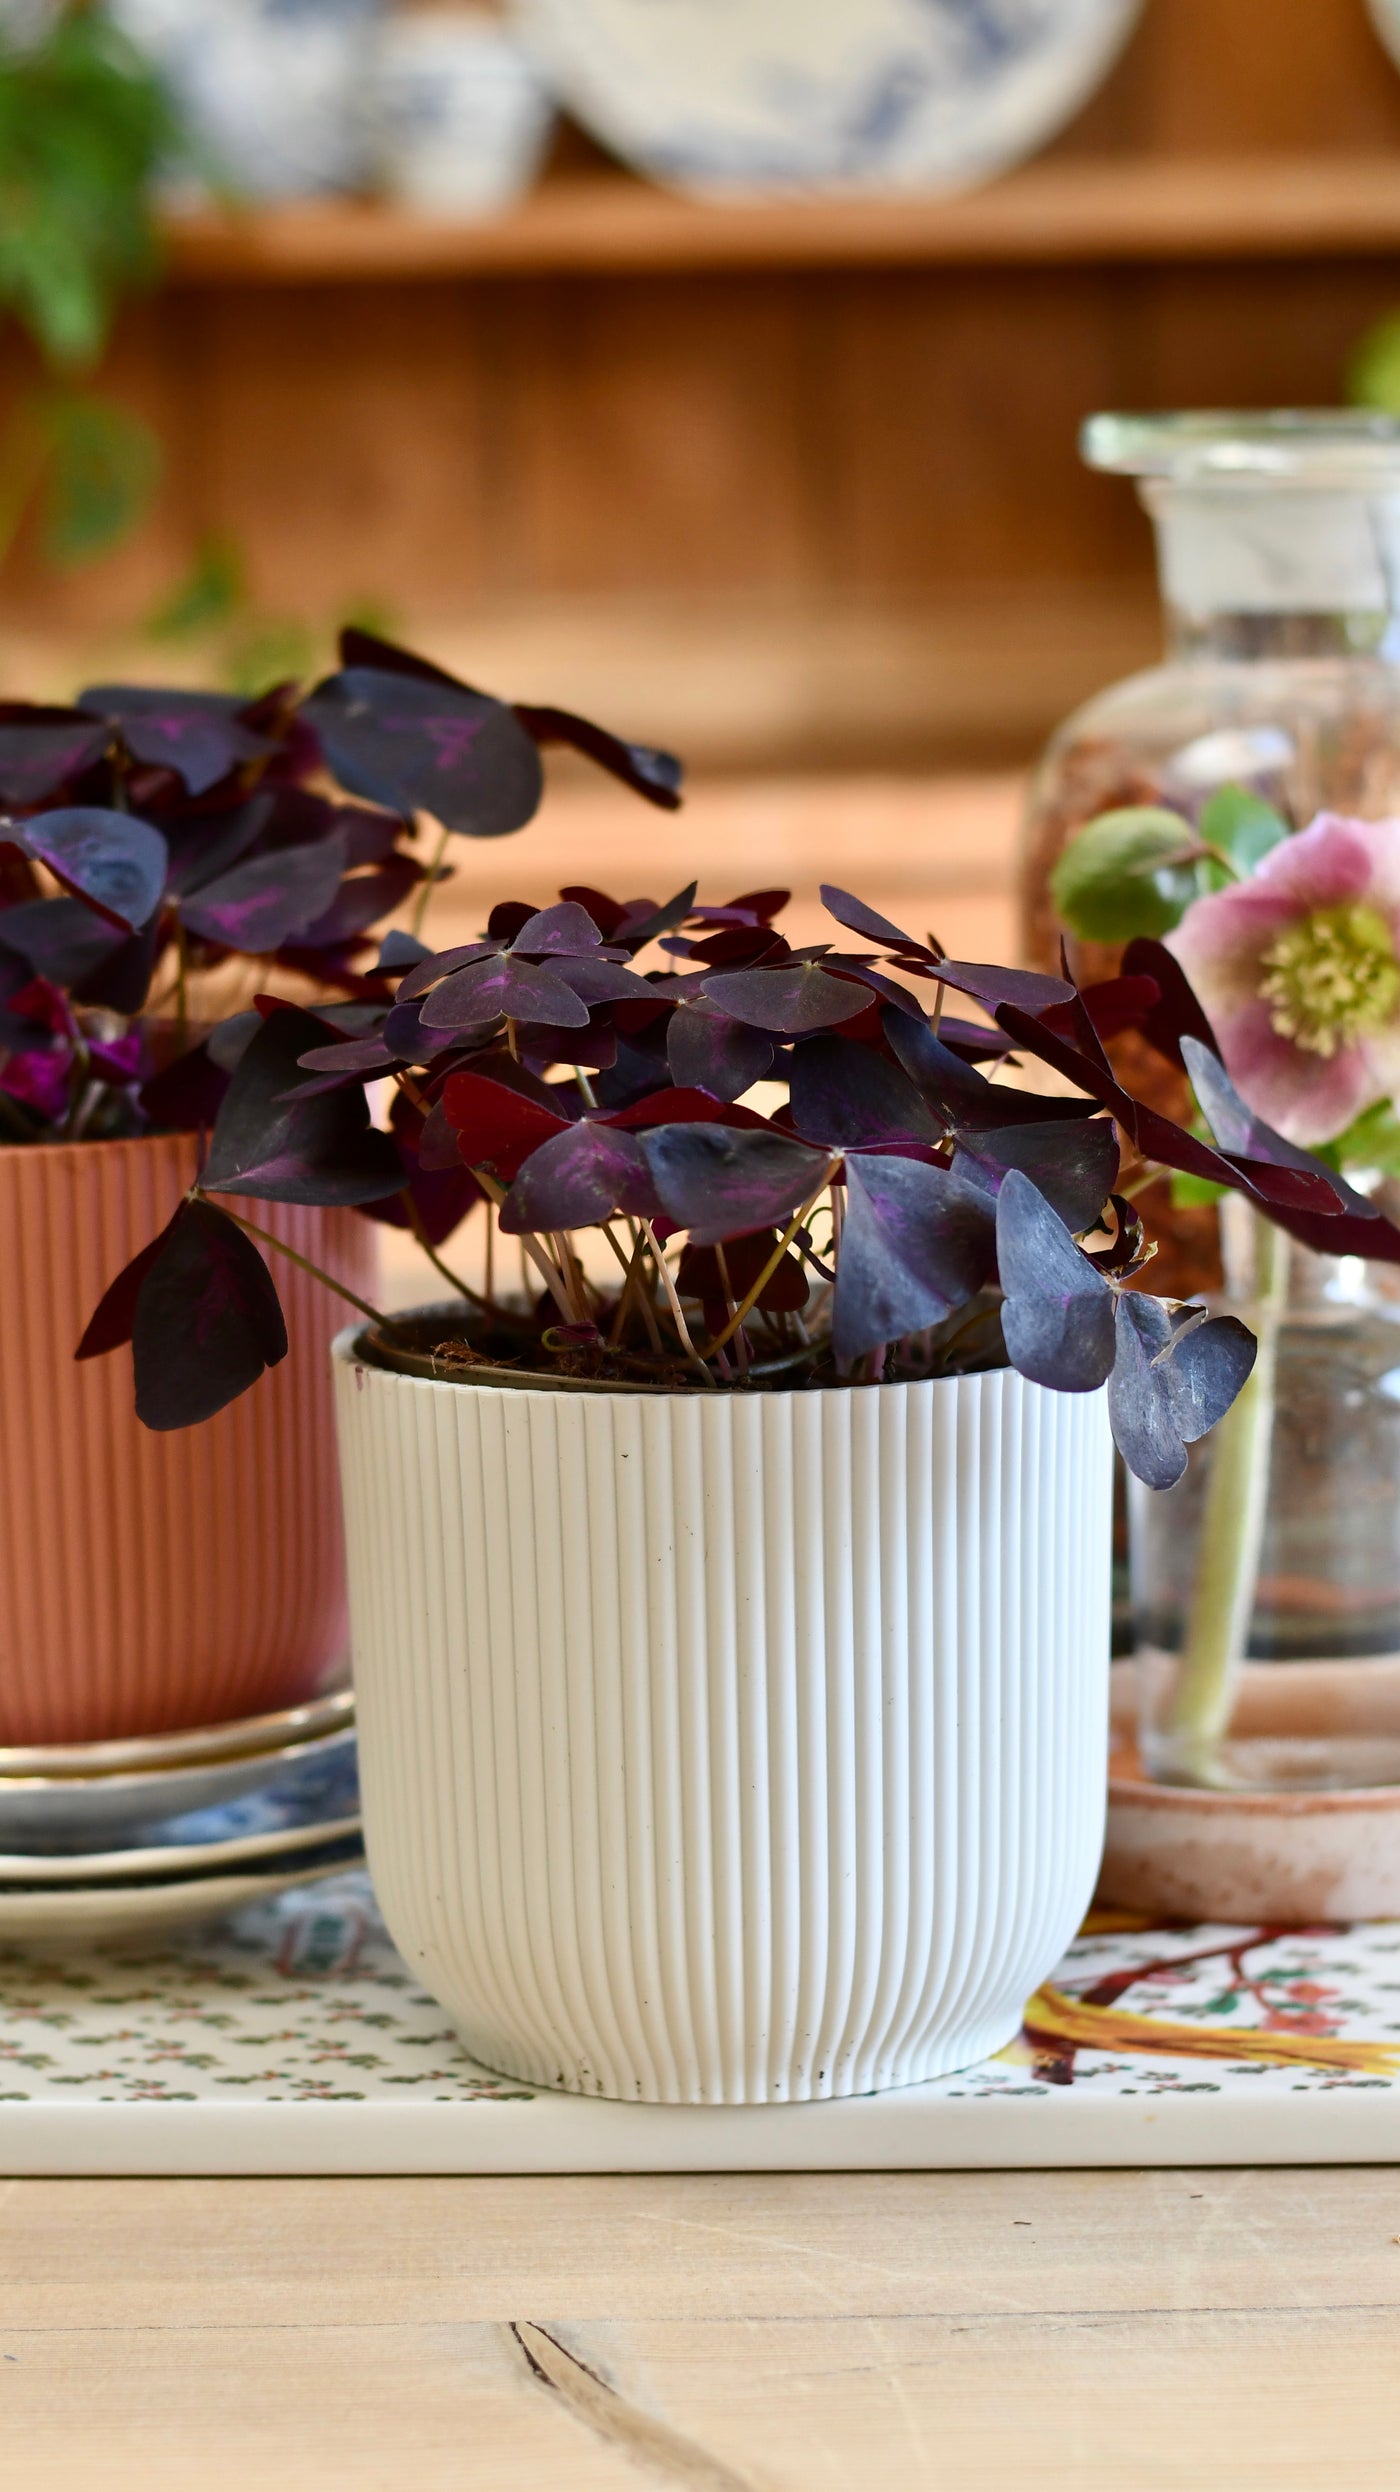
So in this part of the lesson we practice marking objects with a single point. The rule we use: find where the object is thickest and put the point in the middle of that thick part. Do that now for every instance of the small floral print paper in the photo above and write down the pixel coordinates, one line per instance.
(305, 2000)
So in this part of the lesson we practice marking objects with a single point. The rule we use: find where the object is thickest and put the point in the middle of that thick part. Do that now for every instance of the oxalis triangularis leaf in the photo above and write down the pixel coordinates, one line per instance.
(716, 1162)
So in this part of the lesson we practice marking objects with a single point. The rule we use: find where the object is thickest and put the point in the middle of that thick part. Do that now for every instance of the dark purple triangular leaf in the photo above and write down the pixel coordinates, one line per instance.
(441, 1189)
(474, 996)
(916, 1242)
(1058, 1315)
(962, 1094)
(400, 951)
(597, 981)
(207, 1321)
(361, 902)
(1028, 989)
(121, 979)
(406, 742)
(432, 966)
(361, 648)
(186, 1096)
(497, 1127)
(845, 1093)
(718, 1181)
(1173, 1377)
(1177, 1012)
(205, 845)
(319, 1150)
(112, 1319)
(578, 1178)
(1073, 1165)
(563, 927)
(649, 772)
(60, 939)
(198, 735)
(259, 904)
(35, 762)
(793, 999)
(706, 1050)
(849, 911)
(1246, 1136)
(113, 861)
(1290, 1194)
(635, 930)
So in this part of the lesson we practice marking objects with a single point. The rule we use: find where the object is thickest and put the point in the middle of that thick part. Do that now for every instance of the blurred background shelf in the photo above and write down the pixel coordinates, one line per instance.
(1103, 209)
(792, 487)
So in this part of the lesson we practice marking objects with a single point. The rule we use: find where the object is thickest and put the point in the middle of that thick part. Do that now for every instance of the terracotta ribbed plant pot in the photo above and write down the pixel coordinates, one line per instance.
(150, 1583)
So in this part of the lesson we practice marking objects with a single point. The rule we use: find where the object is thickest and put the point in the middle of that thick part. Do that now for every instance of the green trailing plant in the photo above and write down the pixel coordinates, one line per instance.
(85, 124)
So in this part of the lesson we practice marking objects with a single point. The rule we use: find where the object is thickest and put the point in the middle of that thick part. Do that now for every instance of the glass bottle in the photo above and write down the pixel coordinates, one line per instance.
(1278, 540)
(1266, 1584)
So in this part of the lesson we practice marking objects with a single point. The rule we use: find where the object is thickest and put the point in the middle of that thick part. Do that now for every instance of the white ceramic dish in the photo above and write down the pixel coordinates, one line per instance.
(462, 115)
(53, 1835)
(167, 1750)
(80, 1915)
(40, 1870)
(755, 96)
(67, 1812)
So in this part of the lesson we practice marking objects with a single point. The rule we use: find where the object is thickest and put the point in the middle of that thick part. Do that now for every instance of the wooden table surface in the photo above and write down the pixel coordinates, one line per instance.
(1110, 2331)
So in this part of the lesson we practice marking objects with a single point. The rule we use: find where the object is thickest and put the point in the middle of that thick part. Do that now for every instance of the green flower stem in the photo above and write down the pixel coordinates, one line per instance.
(1232, 1530)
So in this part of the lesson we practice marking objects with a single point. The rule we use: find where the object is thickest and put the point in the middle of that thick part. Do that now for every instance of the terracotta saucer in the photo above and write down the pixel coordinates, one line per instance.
(1270, 1856)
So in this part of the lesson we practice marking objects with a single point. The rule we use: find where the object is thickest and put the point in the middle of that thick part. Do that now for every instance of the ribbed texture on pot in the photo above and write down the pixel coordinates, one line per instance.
(729, 1749)
(149, 1583)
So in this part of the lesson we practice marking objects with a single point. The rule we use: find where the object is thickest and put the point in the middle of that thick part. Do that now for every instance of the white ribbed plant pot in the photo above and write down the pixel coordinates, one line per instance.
(725, 1748)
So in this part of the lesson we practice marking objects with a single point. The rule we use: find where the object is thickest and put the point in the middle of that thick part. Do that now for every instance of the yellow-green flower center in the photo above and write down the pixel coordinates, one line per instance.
(1332, 979)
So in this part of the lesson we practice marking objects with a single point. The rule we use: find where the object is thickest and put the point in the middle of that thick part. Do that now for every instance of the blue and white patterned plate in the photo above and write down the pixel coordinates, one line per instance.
(773, 96)
(308, 1797)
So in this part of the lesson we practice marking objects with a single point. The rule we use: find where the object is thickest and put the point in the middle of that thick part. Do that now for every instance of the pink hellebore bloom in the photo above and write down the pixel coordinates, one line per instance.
(1298, 968)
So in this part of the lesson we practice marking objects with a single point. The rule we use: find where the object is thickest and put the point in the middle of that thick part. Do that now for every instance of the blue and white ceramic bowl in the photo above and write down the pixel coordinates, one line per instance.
(735, 97)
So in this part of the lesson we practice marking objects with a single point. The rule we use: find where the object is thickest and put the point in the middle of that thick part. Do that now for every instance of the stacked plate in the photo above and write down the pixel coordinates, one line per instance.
(140, 1834)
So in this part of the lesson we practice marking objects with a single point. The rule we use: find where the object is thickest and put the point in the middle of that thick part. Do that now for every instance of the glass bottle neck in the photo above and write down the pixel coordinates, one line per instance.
(1252, 571)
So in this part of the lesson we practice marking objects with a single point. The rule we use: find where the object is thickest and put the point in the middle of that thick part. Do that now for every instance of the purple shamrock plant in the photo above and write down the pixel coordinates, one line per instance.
(889, 1213)
(151, 840)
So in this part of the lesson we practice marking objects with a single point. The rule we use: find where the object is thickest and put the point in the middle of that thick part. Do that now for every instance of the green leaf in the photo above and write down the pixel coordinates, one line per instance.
(1193, 1193)
(1241, 824)
(85, 125)
(1131, 872)
(212, 592)
(104, 465)
(1372, 1140)
(1375, 367)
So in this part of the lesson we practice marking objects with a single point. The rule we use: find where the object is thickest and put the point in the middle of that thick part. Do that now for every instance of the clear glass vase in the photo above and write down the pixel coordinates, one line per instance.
(1266, 1584)
(1279, 555)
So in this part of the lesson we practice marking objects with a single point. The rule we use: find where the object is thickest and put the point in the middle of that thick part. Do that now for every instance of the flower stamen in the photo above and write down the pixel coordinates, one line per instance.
(1331, 979)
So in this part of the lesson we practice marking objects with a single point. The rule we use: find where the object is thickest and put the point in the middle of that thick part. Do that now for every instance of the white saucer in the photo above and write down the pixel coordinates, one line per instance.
(74, 1916)
(70, 1810)
(307, 1796)
(163, 1750)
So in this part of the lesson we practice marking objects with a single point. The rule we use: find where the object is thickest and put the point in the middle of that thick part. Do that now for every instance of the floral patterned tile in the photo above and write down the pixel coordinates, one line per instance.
(304, 1999)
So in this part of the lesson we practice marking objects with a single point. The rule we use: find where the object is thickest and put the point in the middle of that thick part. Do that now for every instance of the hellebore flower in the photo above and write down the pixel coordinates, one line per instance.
(1298, 968)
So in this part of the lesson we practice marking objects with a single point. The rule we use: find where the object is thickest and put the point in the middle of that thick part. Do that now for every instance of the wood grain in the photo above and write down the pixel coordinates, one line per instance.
(849, 2332)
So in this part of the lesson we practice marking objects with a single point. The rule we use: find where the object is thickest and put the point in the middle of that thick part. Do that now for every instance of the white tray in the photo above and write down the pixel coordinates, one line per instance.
(293, 2039)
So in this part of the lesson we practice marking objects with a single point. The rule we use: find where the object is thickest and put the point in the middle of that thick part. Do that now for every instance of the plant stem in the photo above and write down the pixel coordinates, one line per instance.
(1232, 1530)
(266, 1238)
(415, 1223)
(797, 1221)
(677, 1311)
(429, 884)
(529, 1247)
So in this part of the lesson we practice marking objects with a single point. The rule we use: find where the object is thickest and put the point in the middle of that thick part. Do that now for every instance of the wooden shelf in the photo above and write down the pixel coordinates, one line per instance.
(1066, 210)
